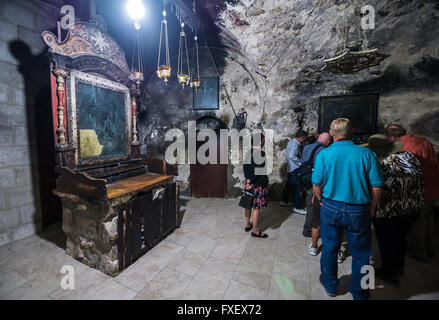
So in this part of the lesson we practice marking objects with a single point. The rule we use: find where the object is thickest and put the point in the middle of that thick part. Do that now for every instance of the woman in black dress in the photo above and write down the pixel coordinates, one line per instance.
(257, 182)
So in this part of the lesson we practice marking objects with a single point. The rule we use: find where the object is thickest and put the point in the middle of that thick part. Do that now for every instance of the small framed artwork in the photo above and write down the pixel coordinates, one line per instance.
(207, 96)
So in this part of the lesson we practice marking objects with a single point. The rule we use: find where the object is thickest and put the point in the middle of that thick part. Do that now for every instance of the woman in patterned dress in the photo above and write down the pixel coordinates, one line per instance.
(398, 207)
(257, 181)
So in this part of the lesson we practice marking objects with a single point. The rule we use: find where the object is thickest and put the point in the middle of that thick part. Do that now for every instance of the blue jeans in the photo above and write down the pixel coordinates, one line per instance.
(294, 187)
(354, 220)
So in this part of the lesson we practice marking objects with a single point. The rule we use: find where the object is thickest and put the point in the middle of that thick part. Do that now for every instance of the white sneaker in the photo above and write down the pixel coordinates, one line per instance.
(340, 257)
(312, 250)
(300, 211)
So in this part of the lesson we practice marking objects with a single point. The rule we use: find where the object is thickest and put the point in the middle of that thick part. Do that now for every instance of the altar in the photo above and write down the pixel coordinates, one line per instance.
(114, 209)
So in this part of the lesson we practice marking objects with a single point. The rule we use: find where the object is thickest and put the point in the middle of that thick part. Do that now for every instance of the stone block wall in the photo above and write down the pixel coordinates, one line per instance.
(21, 22)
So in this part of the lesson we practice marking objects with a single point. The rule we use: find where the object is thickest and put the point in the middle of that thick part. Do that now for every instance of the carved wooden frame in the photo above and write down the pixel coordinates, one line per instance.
(71, 79)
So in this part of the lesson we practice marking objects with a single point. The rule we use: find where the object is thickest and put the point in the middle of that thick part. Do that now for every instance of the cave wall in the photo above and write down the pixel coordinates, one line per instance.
(275, 51)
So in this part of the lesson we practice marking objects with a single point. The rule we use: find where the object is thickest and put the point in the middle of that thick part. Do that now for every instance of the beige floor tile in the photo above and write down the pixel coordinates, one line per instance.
(168, 284)
(188, 262)
(47, 266)
(37, 289)
(289, 251)
(111, 290)
(284, 288)
(148, 266)
(10, 281)
(292, 268)
(205, 287)
(194, 254)
(218, 268)
(240, 291)
(5, 253)
(85, 285)
(231, 247)
(252, 278)
(257, 263)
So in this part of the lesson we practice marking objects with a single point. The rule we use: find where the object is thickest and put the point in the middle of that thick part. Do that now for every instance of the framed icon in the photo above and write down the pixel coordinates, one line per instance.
(207, 96)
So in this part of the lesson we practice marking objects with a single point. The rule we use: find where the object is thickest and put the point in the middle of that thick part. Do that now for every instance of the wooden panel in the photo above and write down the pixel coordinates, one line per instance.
(136, 236)
(160, 166)
(169, 218)
(172, 206)
(177, 202)
(152, 220)
(120, 238)
(80, 184)
(144, 182)
(128, 236)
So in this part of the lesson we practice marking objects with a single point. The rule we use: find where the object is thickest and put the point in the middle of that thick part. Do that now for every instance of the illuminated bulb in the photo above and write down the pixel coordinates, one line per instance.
(135, 9)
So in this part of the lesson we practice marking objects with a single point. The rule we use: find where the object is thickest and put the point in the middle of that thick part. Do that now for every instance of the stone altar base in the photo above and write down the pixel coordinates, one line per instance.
(91, 230)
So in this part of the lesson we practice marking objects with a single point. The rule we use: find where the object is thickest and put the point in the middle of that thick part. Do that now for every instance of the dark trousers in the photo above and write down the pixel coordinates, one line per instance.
(391, 234)
(293, 187)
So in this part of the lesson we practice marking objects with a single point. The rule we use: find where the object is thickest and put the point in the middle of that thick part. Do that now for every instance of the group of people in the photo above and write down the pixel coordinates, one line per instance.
(389, 184)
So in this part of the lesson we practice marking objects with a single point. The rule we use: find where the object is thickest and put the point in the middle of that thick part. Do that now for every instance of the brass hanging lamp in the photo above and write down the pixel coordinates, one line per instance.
(183, 78)
(195, 79)
(164, 69)
(137, 71)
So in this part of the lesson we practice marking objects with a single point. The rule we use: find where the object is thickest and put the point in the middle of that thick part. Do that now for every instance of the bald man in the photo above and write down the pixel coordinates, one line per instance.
(324, 140)
(312, 222)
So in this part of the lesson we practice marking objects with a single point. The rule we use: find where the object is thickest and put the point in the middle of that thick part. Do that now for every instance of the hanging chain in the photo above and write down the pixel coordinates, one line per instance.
(187, 57)
(179, 54)
(198, 61)
(160, 44)
(167, 42)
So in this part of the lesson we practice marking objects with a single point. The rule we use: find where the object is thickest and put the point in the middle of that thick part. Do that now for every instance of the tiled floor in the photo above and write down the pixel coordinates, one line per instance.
(209, 257)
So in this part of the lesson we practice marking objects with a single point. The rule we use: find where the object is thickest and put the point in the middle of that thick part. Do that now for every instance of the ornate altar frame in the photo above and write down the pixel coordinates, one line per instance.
(74, 113)
(113, 209)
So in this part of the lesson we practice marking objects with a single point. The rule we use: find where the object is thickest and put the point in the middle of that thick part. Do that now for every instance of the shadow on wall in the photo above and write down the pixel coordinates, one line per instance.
(36, 74)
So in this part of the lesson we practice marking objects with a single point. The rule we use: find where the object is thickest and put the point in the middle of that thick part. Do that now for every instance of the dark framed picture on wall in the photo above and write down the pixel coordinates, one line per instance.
(207, 96)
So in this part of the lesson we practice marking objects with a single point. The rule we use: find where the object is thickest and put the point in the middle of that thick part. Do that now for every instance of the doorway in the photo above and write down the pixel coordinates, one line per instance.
(209, 180)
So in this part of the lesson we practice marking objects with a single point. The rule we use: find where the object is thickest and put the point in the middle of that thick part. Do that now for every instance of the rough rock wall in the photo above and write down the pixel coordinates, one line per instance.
(275, 55)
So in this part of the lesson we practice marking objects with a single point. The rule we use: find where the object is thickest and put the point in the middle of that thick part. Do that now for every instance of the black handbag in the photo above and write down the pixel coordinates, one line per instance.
(247, 199)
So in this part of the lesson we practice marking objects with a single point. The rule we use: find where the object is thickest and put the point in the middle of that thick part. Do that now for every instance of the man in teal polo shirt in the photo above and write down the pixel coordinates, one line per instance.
(347, 181)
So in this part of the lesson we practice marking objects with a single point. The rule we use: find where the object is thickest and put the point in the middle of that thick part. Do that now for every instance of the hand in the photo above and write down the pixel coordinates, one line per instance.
(314, 200)
(248, 186)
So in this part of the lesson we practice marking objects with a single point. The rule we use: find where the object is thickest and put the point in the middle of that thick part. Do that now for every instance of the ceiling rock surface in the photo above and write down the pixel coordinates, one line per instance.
(273, 56)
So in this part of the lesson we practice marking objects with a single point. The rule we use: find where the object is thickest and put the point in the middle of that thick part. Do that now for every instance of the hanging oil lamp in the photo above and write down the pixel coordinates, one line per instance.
(195, 80)
(164, 70)
(183, 78)
(137, 72)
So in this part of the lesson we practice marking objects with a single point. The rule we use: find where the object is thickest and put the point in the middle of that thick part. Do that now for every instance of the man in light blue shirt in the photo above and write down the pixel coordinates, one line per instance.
(348, 182)
(293, 185)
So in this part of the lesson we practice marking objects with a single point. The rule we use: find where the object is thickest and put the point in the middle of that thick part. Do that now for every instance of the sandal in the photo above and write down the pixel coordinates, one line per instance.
(247, 229)
(259, 234)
